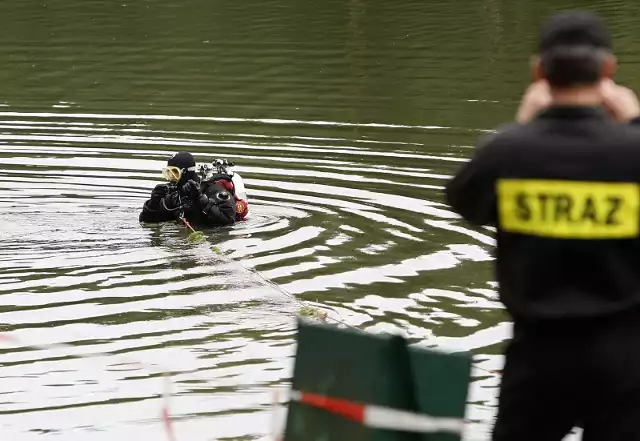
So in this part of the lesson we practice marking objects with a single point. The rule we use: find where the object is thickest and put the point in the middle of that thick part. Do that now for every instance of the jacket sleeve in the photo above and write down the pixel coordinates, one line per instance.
(218, 212)
(471, 192)
(157, 212)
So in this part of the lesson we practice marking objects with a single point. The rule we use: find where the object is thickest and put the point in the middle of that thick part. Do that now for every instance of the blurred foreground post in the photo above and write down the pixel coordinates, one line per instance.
(351, 385)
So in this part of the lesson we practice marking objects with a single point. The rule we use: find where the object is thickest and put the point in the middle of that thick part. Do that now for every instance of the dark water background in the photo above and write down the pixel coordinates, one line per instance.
(345, 117)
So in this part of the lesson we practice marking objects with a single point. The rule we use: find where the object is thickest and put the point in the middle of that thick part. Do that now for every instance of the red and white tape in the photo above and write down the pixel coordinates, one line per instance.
(378, 417)
(167, 382)
(373, 416)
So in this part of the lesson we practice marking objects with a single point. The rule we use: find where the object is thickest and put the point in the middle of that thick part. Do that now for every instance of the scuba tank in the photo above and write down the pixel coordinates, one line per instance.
(225, 168)
(238, 185)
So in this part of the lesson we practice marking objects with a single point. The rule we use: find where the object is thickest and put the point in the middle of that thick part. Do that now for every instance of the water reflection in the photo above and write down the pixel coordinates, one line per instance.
(326, 225)
(346, 119)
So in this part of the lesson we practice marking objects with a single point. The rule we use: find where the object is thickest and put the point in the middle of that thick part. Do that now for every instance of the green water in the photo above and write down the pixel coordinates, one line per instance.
(346, 119)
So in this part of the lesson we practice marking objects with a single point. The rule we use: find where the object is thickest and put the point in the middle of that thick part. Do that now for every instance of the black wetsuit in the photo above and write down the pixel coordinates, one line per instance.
(206, 207)
(564, 194)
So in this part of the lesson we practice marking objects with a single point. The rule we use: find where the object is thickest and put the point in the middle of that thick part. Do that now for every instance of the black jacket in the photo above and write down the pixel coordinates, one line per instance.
(209, 210)
(563, 192)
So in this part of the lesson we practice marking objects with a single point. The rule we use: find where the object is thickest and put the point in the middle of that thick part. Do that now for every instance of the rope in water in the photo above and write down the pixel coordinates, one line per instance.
(263, 279)
(292, 297)
(166, 393)
(277, 287)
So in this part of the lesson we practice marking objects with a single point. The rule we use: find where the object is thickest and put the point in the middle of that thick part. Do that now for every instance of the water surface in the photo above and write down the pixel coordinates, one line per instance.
(346, 120)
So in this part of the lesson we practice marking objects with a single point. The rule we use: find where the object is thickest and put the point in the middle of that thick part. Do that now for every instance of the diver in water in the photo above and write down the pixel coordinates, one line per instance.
(208, 199)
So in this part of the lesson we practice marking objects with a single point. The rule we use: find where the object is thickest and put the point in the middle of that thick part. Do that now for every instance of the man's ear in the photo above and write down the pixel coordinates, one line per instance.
(536, 68)
(609, 67)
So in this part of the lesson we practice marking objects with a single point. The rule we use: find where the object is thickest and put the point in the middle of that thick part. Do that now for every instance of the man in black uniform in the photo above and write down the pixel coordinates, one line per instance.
(563, 189)
(205, 203)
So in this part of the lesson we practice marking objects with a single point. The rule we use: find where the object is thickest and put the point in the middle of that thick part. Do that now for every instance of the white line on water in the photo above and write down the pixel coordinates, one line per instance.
(217, 119)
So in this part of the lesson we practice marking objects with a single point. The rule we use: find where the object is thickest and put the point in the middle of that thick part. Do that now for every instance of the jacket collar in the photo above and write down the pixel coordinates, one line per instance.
(572, 112)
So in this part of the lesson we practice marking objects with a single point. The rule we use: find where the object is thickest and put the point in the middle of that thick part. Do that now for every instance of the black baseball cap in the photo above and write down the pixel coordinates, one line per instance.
(574, 28)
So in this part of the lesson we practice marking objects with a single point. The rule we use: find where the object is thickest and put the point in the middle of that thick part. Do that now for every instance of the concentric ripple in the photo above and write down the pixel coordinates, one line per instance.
(345, 118)
(354, 223)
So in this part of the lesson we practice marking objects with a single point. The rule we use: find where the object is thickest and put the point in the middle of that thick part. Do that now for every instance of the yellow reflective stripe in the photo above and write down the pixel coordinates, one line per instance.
(569, 209)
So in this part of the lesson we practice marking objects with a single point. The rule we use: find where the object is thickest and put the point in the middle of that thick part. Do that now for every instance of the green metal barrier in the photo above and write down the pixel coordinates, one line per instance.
(376, 370)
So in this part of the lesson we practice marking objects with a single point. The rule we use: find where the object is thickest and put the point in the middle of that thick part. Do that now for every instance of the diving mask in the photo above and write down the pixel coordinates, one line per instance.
(173, 174)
